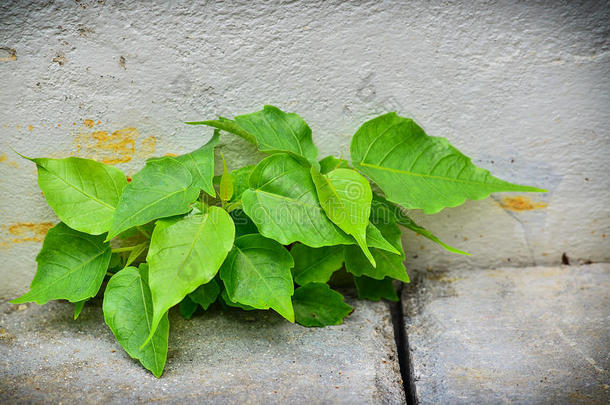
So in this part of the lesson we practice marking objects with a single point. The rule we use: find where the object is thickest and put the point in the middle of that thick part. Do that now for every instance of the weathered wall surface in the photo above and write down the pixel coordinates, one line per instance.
(522, 88)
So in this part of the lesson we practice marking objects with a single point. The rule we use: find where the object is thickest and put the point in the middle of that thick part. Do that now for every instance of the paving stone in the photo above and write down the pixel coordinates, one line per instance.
(217, 357)
(524, 335)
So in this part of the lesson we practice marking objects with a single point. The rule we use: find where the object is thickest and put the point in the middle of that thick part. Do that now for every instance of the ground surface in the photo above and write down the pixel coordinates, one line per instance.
(529, 335)
(230, 357)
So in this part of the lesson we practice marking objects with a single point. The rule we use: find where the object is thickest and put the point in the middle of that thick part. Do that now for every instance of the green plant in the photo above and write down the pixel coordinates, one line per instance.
(181, 236)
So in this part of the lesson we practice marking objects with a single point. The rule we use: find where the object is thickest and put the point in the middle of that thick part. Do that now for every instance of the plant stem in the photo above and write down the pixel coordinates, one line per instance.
(124, 249)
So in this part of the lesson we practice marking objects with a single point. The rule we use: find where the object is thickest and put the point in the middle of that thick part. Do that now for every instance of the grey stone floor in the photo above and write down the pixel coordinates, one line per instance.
(230, 357)
(514, 335)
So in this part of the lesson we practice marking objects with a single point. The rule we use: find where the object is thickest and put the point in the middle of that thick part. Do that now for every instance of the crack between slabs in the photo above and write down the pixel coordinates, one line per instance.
(402, 347)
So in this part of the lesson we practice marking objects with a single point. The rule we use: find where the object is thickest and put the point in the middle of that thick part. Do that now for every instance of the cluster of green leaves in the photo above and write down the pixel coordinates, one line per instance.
(178, 235)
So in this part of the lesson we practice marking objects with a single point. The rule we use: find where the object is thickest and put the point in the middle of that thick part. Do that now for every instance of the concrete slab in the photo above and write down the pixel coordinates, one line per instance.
(218, 357)
(523, 335)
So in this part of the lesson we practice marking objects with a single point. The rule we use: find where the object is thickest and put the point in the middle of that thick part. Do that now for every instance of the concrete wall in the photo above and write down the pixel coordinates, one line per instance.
(522, 87)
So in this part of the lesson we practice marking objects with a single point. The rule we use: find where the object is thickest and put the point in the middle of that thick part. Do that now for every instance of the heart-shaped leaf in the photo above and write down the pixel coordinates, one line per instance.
(128, 312)
(257, 273)
(82, 192)
(185, 253)
(419, 171)
(161, 189)
(283, 203)
(71, 266)
(200, 164)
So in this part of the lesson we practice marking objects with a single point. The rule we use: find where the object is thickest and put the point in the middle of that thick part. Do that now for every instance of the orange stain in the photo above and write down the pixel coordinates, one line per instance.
(118, 147)
(147, 148)
(28, 231)
(520, 203)
(58, 125)
(31, 128)
(89, 123)
(171, 154)
(3, 157)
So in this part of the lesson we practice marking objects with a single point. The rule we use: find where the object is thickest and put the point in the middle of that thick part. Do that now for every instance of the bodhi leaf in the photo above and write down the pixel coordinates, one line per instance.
(257, 273)
(315, 265)
(185, 253)
(418, 171)
(128, 312)
(315, 304)
(205, 295)
(71, 266)
(241, 183)
(346, 197)
(283, 203)
(161, 189)
(272, 131)
(374, 290)
(200, 164)
(383, 212)
(82, 192)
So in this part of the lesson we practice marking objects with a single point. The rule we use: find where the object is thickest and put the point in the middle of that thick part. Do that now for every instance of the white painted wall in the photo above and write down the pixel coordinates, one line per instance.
(522, 87)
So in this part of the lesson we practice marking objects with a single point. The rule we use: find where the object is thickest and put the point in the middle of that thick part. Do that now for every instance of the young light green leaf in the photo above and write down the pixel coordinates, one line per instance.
(201, 165)
(82, 192)
(272, 130)
(78, 308)
(383, 212)
(315, 304)
(315, 265)
(374, 290)
(185, 253)
(228, 125)
(162, 189)
(205, 295)
(418, 171)
(226, 183)
(330, 163)
(283, 203)
(257, 273)
(241, 181)
(128, 312)
(187, 307)
(388, 264)
(346, 197)
(71, 266)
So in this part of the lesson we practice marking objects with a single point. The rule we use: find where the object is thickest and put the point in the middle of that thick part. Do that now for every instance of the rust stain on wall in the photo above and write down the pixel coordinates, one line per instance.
(89, 123)
(112, 148)
(8, 54)
(521, 203)
(4, 159)
(28, 231)
(147, 148)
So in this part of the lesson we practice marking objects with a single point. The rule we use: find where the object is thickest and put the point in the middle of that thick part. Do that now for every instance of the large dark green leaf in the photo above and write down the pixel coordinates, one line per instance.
(315, 304)
(257, 273)
(201, 165)
(384, 212)
(313, 265)
(283, 203)
(185, 253)
(71, 266)
(388, 264)
(128, 312)
(419, 171)
(374, 290)
(162, 189)
(272, 130)
(346, 197)
(82, 192)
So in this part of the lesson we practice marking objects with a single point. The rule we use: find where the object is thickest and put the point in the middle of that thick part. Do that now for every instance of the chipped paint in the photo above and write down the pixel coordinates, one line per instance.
(521, 203)
(112, 148)
(28, 231)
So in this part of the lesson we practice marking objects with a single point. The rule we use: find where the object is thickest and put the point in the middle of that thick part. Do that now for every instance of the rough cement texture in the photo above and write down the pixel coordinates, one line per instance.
(523, 87)
(531, 335)
(231, 357)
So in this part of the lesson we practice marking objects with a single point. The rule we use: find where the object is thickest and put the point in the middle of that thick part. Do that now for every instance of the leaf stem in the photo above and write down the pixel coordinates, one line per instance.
(124, 249)
(143, 231)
